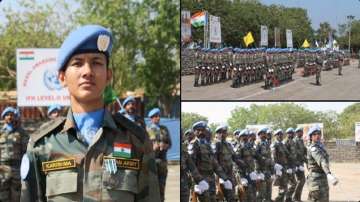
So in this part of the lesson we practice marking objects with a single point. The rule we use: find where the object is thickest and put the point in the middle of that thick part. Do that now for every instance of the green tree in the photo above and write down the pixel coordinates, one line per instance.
(188, 119)
(31, 25)
(347, 119)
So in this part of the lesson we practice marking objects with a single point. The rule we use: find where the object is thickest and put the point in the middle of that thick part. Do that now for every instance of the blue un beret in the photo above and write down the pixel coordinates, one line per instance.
(52, 108)
(290, 130)
(127, 100)
(153, 112)
(236, 132)
(199, 124)
(314, 129)
(221, 127)
(244, 132)
(88, 38)
(298, 129)
(262, 130)
(278, 131)
(7, 110)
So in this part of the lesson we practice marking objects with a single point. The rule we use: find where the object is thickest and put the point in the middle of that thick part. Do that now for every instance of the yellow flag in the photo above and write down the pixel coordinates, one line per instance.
(306, 44)
(248, 39)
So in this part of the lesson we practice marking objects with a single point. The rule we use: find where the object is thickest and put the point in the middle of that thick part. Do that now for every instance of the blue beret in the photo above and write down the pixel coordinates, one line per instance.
(199, 124)
(262, 130)
(153, 112)
(290, 130)
(298, 129)
(122, 111)
(88, 38)
(188, 131)
(244, 132)
(269, 131)
(128, 99)
(278, 131)
(221, 127)
(52, 108)
(7, 110)
(314, 129)
(251, 132)
(236, 132)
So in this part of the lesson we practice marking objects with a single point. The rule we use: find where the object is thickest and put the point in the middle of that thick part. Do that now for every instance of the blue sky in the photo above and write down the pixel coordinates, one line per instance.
(220, 111)
(332, 11)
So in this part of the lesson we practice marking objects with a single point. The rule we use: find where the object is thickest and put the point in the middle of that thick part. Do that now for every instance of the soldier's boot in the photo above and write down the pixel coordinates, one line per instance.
(196, 82)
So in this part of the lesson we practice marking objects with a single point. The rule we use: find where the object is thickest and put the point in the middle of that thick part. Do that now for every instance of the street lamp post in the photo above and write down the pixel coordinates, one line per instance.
(350, 18)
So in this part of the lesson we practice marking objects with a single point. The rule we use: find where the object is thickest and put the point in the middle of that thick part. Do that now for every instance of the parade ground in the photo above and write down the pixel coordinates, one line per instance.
(347, 189)
(172, 190)
(334, 87)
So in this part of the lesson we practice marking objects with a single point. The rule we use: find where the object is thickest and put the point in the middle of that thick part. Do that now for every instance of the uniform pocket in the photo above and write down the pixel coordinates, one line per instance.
(61, 182)
(123, 179)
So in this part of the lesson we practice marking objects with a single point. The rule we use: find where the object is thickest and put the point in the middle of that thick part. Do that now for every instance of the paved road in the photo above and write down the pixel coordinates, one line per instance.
(172, 190)
(334, 87)
(348, 187)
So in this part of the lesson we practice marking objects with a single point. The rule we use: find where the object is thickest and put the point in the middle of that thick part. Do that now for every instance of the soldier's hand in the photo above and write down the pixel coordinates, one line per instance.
(261, 176)
(332, 179)
(253, 176)
(203, 185)
(278, 172)
(228, 185)
(155, 146)
(278, 167)
(244, 182)
(197, 189)
(301, 168)
(289, 171)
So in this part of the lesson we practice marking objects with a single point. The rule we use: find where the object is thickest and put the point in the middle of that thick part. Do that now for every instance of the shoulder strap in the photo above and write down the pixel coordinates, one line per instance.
(124, 123)
(47, 128)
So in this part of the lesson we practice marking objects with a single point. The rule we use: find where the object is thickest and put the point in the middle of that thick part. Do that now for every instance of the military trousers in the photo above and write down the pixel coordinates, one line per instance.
(162, 170)
(300, 181)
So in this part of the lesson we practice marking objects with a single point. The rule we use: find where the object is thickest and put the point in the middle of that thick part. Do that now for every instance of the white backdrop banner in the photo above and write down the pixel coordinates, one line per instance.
(215, 29)
(37, 83)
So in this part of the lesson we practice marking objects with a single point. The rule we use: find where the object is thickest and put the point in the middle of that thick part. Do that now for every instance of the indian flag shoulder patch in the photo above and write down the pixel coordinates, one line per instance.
(122, 150)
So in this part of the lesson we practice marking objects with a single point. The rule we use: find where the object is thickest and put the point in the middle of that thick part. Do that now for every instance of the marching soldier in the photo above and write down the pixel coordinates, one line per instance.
(198, 65)
(188, 169)
(318, 69)
(225, 155)
(300, 160)
(91, 155)
(280, 154)
(318, 166)
(264, 166)
(202, 155)
(291, 147)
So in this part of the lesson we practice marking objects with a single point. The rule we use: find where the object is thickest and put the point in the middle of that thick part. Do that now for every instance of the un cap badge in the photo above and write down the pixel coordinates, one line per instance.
(103, 42)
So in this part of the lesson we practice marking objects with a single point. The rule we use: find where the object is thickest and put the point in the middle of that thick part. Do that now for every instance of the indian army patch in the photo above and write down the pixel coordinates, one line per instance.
(133, 164)
(103, 42)
(122, 150)
(58, 165)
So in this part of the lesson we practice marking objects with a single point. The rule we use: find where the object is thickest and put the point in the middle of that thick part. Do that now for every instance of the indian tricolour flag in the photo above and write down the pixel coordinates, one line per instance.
(122, 150)
(26, 55)
(198, 19)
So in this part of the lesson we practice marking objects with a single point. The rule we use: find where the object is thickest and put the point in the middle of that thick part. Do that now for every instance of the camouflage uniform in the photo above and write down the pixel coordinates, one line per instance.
(203, 157)
(160, 134)
(318, 69)
(188, 169)
(246, 152)
(318, 166)
(264, 164)
(63, 168)
(279, 154)
(291, 147)
(300, 160)
(224, 154)
(12, 147)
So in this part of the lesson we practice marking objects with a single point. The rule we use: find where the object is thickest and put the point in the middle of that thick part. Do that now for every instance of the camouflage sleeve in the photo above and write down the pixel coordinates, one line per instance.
(273, 153)
(167, 138)
(258, 157)
(192, 168)
(218, 170)
(33, 186)
(320, 159)
(148, 181)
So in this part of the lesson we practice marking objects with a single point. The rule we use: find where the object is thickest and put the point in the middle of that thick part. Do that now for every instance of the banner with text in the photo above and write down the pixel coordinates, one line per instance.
(185, 26)
(289, 38)
(215, 29)
(37, 79)
(264, 35)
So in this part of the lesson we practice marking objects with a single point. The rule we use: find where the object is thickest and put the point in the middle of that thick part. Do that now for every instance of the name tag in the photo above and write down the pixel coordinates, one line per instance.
(133, 164)
(58, 165)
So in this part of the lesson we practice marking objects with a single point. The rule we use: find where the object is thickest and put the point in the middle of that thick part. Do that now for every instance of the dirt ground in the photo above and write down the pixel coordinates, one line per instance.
(348, 187)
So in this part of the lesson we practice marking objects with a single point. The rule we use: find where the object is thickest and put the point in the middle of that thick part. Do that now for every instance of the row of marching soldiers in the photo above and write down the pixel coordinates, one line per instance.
(243, 66)
(247, 169)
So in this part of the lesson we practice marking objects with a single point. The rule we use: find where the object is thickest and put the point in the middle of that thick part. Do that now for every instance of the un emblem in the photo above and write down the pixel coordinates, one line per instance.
(51, 80)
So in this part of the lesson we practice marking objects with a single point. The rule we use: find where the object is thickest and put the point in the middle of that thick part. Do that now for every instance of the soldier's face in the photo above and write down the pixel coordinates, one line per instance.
(316, 137)
(130, 107)
(299, 134)
(200, 132)
(9, 117)
(279, 137)
(86, 76)
(155, 119)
